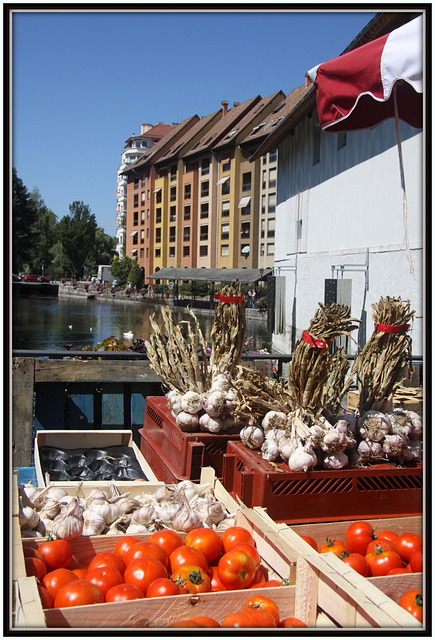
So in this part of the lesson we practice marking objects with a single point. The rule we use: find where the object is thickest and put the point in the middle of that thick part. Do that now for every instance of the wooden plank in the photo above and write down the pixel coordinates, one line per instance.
(81, 406)
(29, 611)
(94, 371)
(113, 413)
(22, 410)
(50, 406)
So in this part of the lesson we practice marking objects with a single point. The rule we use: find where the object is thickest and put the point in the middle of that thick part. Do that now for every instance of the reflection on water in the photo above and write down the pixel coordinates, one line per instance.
(50, 323)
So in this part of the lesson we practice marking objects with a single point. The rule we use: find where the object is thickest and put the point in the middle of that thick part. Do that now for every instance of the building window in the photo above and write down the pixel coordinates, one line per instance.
(271, 203)
(226, 164)
(157, 252)
(263, 184)
(273, 155)
(171, 234)
(142, 182)
(186, 234)
(204, 209)
(226, 187)
(186, 252)
(270, 248)
(263, 227)
(225, 250)
(159, 196)
(272, 178)
(148, 253)
(172, 214)
(262, 249)
(136, 200)
(142, 236)
(203, 251)
(245, 231)
(225, 208)
(158, 235)
(142, 198)
(263, 203)
(187, 212)
(135, 239)
(172, 252)
(246, 211)
(271, 228)
(203, 232)
(173, 172)
(136, 183)
(158, 215)
(135, 218)
(148, 194)
(148, 233)
(141, 253)
(142, 217)
(205, 189)
(148, 214)
(246, 181)
(173, 195)
(225, 230)
(187, 191)
(205, 166)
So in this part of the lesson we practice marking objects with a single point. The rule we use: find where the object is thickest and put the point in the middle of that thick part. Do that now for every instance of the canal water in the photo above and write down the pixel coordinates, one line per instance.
(52, 323)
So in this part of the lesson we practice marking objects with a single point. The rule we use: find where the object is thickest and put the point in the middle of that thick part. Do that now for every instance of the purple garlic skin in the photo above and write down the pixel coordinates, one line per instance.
(336, 461)
(369, 450)
(374, 425)
(394, 444)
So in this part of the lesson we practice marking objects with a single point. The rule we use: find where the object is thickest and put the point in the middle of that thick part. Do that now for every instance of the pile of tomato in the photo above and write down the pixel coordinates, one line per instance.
(164, 565)
(383, 554)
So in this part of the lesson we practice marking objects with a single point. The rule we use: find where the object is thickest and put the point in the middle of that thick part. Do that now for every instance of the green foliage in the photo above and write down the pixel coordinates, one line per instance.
(102, 251)
(121, 269)
(77, 236)
(45, 236)
(135, 276)
(23, 221)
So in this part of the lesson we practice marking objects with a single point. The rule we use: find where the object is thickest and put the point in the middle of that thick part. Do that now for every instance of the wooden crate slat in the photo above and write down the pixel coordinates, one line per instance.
(22, 410)
(113, 407)
(94, 371)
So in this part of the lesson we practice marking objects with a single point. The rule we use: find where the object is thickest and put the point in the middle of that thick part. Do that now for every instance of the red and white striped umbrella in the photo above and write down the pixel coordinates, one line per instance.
(357, 90)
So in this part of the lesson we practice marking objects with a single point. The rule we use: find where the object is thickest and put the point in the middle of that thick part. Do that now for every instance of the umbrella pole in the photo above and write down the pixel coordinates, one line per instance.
(402, 182)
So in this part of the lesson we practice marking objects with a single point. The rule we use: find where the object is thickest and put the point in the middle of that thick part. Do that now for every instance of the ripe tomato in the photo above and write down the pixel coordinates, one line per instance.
(261, 576)
(358, 536)
(310, 541)
(412, 601)
(206, 621)
(162, 587)
(235, 535)
(124, 544)
(167, 539)
(46, 599)
(191, 579)
(107, 559)
(416, 560)
(398, 571)
(123, 592)
(381, 544)
(30, 552)
(291, 622)
(56, 554)
(381, 563)
(143, 549)
(185, 623)
(267, 584)
(332, 546)
(56, 579)
(77, 593)
(237, 620)
(261, 602)
(80, 572)
(187, 555)
(35, 567)
(260, 617)
(389, 535)
(251, 551)
(356, 561)
(216, 584)
(142, 571)
(104, 578)
(236, 569)
(407, 544)
(206, 540)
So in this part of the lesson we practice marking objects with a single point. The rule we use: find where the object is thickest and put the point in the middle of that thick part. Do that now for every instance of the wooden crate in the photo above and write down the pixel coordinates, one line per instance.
(89, 439)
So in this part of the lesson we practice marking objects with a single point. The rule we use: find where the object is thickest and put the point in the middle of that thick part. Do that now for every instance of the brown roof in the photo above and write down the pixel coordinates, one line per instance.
(221, 128)
(245, 125)
(181, 145)
(159, 130)
(155, 151)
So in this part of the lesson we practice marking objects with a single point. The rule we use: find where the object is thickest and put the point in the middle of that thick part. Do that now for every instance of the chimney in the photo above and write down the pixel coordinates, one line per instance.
(236, 104)
(224, 107)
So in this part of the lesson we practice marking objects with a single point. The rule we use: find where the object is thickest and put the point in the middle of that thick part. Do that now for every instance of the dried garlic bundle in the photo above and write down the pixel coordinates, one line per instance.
(228, 333)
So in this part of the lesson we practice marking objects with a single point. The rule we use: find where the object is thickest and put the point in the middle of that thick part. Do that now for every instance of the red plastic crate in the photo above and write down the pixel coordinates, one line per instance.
(183, 454)
(381, 491)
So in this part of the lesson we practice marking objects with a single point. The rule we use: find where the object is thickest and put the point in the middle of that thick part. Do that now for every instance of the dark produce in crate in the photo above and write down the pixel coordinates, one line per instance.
(108, 464)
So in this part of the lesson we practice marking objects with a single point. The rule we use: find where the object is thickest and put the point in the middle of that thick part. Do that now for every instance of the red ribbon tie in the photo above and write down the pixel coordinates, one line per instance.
(320, 344)
(391, 328)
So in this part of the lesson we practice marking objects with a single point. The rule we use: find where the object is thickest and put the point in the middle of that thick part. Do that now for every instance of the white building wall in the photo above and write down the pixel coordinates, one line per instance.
(347, 209)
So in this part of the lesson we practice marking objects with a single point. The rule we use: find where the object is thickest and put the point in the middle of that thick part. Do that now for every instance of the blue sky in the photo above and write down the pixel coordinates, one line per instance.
(83, 82)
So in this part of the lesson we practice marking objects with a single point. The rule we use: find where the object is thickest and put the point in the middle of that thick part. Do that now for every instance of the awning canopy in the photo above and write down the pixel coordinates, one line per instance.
(244, 202)
(358, 89)
(133, 233)
(211, 275)
(222, 180)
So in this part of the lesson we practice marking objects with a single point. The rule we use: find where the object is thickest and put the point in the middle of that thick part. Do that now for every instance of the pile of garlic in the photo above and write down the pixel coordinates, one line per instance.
(337, 443)
(211, 411)
(182, 507)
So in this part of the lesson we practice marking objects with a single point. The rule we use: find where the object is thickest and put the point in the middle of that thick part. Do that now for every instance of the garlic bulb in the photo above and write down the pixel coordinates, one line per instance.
(136, 528)
(186, 518)
(370, 450)
(44, 526)
(269, 450)
(187, 421)
(393, 444)
(337, 460)
(274, 420)
(26, 533)
(93, 523)
(214, 403)
(56, 493)
(108, 511)
(68, 526)
(128, 505)
(286, 447)
(210, 512)
(144, 515)
(191, 402)
(231, 399)
(163, 493)
(351, 420)
(302, 458)
(336, 438)
(374, 425)
(404, 422)
(412, 450)
(212, 425)
(220, 381)
(167, 510)
(28, 517)
(252, 437)
(190, 489)
(50, 510)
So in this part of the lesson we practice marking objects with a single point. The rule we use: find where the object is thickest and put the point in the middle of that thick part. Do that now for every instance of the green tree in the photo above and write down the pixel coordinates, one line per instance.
(121, 270)
(23, 220)
(77, 236)
(135, 276)
(45, 235)
(103, 250)
(59, 265)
